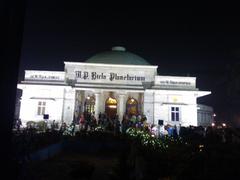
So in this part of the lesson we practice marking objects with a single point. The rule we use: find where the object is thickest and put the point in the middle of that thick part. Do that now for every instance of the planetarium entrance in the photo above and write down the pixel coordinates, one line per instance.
(132, 106)
(111, 107)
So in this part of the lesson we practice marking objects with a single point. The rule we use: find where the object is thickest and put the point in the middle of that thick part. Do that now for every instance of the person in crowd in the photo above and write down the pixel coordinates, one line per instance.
(161, 130)
(165, 132)
(139, 117)
(139, 124)
(174, 132)
(63, 127)
(72, 125)
(100, 120)
(204, 132)
(211, 135)
(116, 125)
(105, 122)
(170, 130)
(228, 135)
(138, 121)
(100, 116)
(18, 124)
(87, 121)
(72, 128)
(53, 125)
(49, 125)
(223, 136)
(144, 118)
(110, 124)
(125, 122)
(178, 129)
(93, 122)
(146, 126)
(76, 116)
(133, 120)
(154, 130)
(81, 122)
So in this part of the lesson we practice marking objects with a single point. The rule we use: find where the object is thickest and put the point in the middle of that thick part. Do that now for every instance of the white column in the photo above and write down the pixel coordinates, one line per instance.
(82, 100)
(97, 105)
(140, 103)
(69, 104)
(121, 106)
(149, 106)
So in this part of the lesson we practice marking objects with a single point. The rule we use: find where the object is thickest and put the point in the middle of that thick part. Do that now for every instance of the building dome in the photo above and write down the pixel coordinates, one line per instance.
(118, 55)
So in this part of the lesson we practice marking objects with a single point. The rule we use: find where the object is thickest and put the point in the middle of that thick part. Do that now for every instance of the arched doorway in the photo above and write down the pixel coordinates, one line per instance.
(89, 104)
(132, 106)
(111, 107)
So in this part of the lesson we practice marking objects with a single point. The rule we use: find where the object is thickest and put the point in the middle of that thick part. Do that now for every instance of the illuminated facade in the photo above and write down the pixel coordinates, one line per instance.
(115, 82)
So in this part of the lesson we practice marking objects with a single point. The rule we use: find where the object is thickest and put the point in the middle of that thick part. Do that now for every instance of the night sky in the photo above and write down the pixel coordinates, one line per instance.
(197, 42)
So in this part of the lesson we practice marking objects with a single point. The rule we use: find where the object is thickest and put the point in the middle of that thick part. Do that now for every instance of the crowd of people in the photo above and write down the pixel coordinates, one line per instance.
(88, 122)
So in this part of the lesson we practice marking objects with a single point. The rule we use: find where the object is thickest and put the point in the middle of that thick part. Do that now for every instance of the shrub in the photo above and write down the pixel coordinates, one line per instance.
(42, 125)
(31, 124)
(149, 141)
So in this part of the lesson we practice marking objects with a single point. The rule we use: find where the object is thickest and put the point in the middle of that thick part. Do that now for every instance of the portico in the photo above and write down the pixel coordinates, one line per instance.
(112, 102)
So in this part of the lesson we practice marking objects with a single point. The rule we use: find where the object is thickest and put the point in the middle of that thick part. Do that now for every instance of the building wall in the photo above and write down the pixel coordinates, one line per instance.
(204, 115)
(185, 101)
(149, 106)
(17, 104)
(189, 115)
(32, 94)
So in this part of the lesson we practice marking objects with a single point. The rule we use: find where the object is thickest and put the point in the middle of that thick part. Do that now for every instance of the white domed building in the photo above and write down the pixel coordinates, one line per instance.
(115, 82)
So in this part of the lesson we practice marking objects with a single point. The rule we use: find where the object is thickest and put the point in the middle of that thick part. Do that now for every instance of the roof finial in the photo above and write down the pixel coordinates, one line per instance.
(118, 48)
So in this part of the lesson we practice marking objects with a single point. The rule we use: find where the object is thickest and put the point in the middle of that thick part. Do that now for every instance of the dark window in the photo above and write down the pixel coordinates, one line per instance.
(175, 114)
(41, 108)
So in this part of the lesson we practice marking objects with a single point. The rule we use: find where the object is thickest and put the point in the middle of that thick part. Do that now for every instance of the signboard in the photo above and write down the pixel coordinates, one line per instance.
(44, 75)
(45, 116)
(111, 76)
(175, 82)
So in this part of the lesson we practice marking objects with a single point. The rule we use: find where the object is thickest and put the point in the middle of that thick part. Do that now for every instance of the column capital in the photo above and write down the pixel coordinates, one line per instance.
(121, 95)
(96, 91)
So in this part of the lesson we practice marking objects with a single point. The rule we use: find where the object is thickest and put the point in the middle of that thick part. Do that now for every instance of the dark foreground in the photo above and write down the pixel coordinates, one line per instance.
(106, 156)
(75, 166)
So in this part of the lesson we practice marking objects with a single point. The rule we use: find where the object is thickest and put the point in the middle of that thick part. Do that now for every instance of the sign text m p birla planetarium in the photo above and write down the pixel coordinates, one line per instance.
(110, 76)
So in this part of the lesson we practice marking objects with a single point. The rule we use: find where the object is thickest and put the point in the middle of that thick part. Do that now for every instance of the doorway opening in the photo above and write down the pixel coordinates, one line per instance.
(132, 106)
(111, 107)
